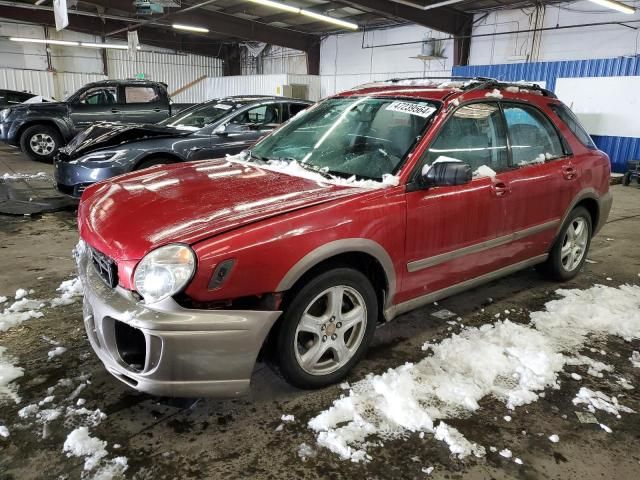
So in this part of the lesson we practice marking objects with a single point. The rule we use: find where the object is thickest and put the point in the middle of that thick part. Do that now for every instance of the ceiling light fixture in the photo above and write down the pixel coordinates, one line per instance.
(612, 4)
(42, 40)
(190, 28)
(114, 46)
(306, 13)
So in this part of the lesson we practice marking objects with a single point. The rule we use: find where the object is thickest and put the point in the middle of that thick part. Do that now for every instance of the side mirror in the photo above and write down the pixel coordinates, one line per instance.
(445, 174)
(221, 130)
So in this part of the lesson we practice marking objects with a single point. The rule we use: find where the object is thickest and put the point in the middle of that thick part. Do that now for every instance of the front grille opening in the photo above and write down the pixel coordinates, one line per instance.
(131, 346)
(106, 268)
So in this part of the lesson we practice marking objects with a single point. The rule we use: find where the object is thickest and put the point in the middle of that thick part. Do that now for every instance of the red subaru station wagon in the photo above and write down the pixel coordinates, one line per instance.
(367, 205)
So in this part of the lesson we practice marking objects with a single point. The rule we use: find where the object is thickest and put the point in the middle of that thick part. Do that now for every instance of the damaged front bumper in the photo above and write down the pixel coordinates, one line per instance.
(166, 349)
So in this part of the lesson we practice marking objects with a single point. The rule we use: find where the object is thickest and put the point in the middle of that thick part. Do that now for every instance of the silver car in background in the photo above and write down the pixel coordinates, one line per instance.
(207, 130)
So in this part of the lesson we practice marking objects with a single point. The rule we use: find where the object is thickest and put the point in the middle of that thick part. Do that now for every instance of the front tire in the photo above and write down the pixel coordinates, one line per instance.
(327, 328)
(569, 252)
(40, 142)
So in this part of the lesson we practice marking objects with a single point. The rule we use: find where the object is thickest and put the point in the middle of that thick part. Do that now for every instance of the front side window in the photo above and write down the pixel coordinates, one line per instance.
(572, 122)
(199, 117)
(263, 115)
(473, 135)
(140, 94)
(99, 96)
(362, 136)
(533, 137)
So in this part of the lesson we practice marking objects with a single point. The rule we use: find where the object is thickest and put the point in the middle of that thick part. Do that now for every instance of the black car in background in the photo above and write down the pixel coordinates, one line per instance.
(40, 129)
(208, 130)
(8, 98)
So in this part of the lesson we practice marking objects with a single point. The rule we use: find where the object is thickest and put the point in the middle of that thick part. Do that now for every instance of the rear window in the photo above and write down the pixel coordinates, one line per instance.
(572, 122)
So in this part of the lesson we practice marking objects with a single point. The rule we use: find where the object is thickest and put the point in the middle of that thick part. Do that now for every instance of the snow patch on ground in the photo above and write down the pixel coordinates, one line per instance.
(25, 176)
(8, 373)
(635, 359)
(600, 401)
(511, 362)
(56, 352)
(70, 291)
(4, 431)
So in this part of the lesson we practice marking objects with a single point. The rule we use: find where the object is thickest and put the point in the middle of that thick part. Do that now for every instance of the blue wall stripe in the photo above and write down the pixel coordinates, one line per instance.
(619, 149)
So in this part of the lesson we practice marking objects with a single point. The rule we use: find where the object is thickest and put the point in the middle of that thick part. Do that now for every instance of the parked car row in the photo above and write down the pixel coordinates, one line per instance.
(364, 206)
(40, 129)
(208, 130)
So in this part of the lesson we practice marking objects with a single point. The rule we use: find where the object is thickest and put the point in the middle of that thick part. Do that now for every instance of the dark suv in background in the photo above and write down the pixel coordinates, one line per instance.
(209, 130)
(40, 129)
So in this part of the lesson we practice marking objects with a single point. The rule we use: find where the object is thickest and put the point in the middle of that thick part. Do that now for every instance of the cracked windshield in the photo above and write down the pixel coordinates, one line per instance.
(362, 136)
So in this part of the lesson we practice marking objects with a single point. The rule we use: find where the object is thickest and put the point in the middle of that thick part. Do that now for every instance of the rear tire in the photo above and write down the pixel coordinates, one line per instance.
(40, 142)
(327, 328)
(569, 252)
(152, 162)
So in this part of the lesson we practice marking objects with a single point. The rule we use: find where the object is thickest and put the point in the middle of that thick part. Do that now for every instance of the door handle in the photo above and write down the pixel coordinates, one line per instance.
(115, 110)
(500, 189)
(195, 149)
(157, 109)
(569, 172)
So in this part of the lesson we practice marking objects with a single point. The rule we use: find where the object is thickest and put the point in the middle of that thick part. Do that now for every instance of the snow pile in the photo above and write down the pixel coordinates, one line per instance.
(56, 351)
(8, 373)
(495, 93)
(26, 176)
(19, 311)
(484, 171)
(542, 158)
(635, 359)
(295, 169)
(80, 444)
(23, 308)
(4, 431)
(600, 401)
(511, 362)
(70, 291)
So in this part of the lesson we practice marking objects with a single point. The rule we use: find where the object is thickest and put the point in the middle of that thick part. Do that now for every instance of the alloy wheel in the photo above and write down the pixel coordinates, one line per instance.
(574, 244)
(330, 330)
(42, 144)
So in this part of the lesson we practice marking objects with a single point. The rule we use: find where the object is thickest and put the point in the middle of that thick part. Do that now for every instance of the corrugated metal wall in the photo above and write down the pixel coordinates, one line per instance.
(619, 149)
(174, 70)
(35, 81)
(261, 85)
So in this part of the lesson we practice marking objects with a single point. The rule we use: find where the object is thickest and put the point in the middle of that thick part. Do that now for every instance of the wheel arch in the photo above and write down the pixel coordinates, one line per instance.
(364, 255)
(33, 123)
(591, 201)
(171, 156)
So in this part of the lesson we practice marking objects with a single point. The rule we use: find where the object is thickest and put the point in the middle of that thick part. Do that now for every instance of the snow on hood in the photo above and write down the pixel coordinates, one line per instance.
(295, 169)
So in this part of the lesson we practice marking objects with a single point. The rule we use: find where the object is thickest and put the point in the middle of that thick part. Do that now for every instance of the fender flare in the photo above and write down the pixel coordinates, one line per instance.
(337, 247)
(604, 206)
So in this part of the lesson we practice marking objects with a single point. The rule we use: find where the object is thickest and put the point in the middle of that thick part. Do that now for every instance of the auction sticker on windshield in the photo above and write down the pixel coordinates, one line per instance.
(421, 109)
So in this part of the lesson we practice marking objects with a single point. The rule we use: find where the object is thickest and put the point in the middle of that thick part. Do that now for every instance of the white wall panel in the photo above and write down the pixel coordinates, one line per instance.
(260, 85)
(174, 70)
(567, 44)
(34, 81)
(614, 114)
(345, 62)
(67, 83)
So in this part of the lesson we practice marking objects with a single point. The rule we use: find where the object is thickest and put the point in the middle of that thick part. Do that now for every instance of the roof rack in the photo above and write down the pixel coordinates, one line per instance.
(479, 83)
(450, 77)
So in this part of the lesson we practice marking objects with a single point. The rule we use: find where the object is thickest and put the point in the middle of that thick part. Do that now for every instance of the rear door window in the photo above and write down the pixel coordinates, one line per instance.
(572, 122)
(140, 94)
(533, 137)
(474, 134)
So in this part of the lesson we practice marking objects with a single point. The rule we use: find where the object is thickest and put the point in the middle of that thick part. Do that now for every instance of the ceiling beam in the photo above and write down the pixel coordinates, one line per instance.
(96, 26)
(443, 19)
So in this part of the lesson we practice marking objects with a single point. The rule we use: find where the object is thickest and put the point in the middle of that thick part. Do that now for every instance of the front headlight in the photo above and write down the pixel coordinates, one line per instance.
(164, 272)
(98, 157)
(4, 113)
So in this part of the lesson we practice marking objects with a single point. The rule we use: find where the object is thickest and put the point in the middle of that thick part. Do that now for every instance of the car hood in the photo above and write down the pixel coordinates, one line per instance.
(188, 202)
(107, 135)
